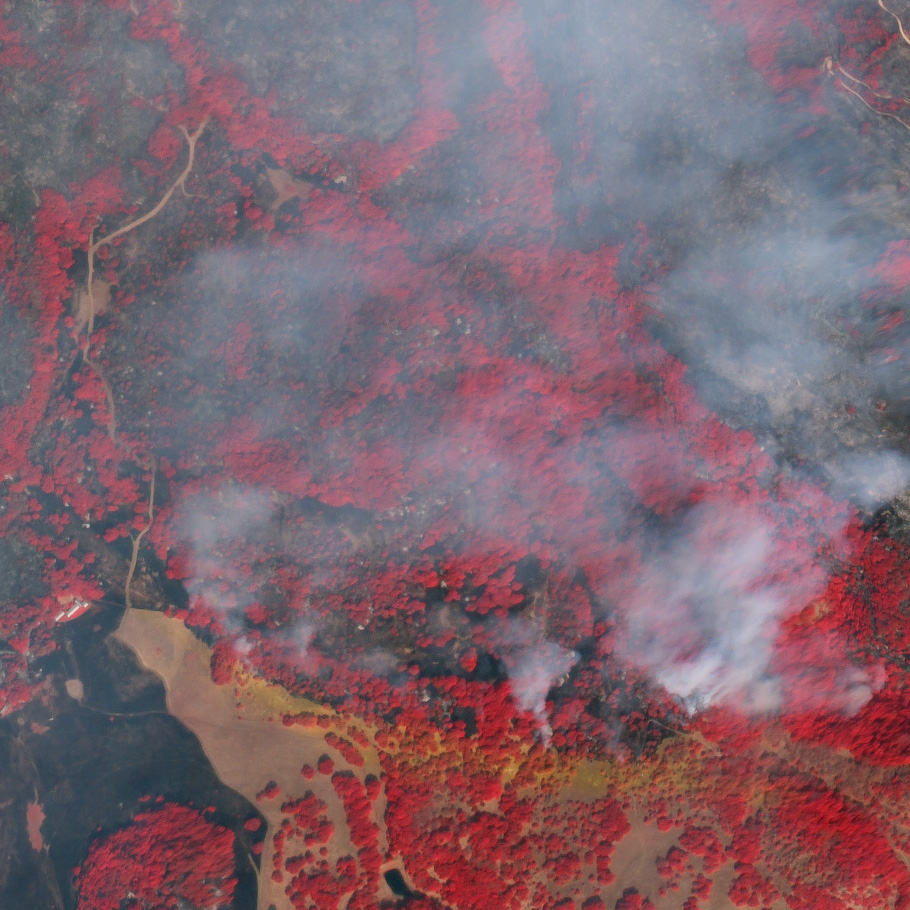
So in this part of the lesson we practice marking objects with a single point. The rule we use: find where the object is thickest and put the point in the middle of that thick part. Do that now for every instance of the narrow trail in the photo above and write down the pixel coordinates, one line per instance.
(88, 291)
(897, 19)
(850, 82)
(93, 308)
(845, 79)
(137, 539)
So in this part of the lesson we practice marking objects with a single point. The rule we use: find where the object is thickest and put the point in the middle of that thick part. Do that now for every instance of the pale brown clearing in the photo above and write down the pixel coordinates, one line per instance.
(87, 306)
(240, 729)
(286, 187)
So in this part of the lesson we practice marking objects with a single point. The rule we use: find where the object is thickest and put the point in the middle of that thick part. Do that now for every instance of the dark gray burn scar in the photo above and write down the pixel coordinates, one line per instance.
(345, 68)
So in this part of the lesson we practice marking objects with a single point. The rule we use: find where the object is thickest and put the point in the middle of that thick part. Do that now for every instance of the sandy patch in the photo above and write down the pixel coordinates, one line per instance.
(286, 187)
(34, 818)
(75, 689)
(87, 306)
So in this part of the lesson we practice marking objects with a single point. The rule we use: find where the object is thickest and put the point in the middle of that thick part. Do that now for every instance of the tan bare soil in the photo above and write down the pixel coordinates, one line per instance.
(87, 306)
(34, 818)
(240, 729)
(286, 187)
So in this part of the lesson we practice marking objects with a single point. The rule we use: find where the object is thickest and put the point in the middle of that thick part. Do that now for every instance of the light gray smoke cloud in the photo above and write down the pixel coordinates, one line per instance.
(223, 531)
(760, 275)
(765, 222)
(534, 666)
(214, 527)
(870, 478)
(708, 607)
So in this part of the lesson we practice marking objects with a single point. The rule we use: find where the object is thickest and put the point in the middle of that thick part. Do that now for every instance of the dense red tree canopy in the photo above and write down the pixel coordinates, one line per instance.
(167, 859)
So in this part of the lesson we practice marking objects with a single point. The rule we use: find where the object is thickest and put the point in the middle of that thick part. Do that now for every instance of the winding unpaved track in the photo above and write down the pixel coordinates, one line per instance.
(849, 82)
(88, 305)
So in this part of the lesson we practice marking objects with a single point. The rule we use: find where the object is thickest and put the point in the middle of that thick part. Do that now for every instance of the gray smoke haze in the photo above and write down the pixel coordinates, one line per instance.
(220, 530)
(708, 608)
(215, 527)
(761, 281)
(764, 242)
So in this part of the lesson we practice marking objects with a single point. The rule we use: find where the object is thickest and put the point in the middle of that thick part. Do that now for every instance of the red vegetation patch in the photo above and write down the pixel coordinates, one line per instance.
(222, 663)
(632, 900)
(825, 828)
(169, 858)
(351, 754)
(269, 791)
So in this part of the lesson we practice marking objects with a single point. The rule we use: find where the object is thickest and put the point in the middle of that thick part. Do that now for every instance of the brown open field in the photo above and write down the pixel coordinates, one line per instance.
(241, 732)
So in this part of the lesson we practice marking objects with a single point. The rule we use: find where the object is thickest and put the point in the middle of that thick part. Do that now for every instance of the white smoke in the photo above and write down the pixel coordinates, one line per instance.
(534, 666)
(214, 527)
(705, 614)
